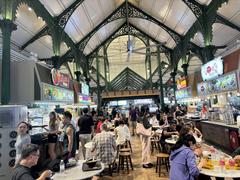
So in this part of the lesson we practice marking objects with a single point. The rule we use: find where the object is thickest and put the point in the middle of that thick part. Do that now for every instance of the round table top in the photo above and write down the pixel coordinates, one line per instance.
(216, 172)
(170, 141)
(76, 173)
(88, 145)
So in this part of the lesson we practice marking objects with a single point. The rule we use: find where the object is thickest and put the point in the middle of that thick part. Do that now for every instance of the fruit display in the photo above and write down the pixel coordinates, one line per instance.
(208, 164)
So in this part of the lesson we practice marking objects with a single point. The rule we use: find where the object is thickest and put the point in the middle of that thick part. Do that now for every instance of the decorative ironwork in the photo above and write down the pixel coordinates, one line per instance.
(195, 8)
(64, 19)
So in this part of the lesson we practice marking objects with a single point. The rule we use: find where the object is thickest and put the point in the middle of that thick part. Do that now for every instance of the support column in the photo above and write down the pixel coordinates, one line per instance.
(77, 73)
(185, 69)
(7, 27)
(173, 75)
(149, 63)
(160, 78)
(98, 85)
(55, 62)
(105, 66)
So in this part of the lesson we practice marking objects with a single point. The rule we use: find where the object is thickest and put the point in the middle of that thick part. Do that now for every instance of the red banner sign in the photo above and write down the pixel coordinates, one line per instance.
(60, 79)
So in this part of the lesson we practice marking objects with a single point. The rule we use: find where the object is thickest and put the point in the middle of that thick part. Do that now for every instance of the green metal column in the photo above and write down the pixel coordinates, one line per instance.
(105, 66)
(7, 27)
(173, 75)
(149, 63)
(160, 78)
(185, 69)
(98, 84)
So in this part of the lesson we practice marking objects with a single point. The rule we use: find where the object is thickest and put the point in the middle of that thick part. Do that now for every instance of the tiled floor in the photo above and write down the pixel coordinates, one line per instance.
(138, 173)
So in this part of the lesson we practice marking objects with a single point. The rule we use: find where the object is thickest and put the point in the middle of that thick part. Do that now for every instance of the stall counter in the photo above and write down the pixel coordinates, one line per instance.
(221, 135)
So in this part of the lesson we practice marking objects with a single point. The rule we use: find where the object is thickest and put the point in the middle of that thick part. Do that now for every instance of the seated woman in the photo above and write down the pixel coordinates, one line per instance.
(183, 160)
(153, 120)
(164, 121)
(117, 118)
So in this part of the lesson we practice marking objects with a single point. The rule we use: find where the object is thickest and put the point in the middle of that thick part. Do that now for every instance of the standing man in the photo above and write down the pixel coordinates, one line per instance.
(69, 139)
(86, 129)
(133, 119)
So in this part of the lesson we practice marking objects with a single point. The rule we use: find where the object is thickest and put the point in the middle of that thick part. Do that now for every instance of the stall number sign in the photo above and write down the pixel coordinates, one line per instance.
(212, 69)
(60, 79)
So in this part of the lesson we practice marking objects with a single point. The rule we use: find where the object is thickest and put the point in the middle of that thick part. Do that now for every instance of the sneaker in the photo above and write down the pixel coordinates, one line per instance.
(150, 164)
(146, 166)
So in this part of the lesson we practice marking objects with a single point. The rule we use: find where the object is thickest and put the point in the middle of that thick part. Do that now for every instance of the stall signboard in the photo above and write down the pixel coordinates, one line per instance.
(184, 93)
(212, 69)
(54, 93)
(60, 79)
(221, 84)
(181, 83)
(84, 89)
(85, 100)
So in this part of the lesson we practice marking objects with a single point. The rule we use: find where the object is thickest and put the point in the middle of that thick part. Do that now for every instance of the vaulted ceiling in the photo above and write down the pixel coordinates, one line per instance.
(91, 25)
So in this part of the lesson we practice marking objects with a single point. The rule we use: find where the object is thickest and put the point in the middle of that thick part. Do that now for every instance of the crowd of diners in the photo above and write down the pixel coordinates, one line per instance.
(108, 132)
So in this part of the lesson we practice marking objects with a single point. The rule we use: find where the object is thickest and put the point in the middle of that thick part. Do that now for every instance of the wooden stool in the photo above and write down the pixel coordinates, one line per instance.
(125, 150)
(155, 144)
(162, 160)
(124, 157)
(128, 144)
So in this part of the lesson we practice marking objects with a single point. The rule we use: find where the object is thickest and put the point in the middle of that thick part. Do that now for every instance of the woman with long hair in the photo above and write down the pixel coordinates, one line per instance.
(53, 134)
(183, 160)
(145, 140)
(23, 139)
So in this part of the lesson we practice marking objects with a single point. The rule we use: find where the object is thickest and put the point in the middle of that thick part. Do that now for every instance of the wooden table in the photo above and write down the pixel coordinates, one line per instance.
(76, 173)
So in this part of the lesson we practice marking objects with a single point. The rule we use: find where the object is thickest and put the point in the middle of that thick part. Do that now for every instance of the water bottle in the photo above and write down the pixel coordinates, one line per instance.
(62, 167)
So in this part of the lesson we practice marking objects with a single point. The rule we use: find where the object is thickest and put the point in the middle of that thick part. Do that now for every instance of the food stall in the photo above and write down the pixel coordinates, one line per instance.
(217, 89)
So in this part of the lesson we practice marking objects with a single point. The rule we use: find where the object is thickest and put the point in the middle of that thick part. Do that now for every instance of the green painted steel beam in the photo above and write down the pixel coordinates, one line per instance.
(222, 20)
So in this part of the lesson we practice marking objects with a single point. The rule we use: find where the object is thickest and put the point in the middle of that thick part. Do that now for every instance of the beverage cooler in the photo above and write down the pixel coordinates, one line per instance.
(10, 116)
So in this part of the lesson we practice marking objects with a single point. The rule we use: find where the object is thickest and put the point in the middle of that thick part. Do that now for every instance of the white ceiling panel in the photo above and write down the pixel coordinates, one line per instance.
(78, 25)
(63, 48)
(94, 12)
(226, 33)
(20, 36)
(104, 33)
(230, 9)
(175, 14)
(198, 39)
(43, 47)
(157, 9)
(186, 22)
(55, 7)
(162, 35)
(205, 2)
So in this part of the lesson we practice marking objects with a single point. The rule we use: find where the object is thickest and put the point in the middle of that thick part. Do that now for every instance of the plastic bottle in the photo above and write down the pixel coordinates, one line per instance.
(62, 166)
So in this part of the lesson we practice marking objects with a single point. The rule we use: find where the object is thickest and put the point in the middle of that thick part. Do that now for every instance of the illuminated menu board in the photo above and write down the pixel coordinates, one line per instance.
(184, 93)
(54, 93)
(221, 84)
(181, 83)
(84, 89)
(86, 100)
(212, 69)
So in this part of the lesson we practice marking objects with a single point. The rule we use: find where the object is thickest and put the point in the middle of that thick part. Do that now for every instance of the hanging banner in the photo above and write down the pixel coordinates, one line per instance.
(212, 69)
(84, 89)
(60, 79)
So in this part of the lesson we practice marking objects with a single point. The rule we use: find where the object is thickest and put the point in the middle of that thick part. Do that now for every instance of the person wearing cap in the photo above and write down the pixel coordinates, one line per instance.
(167, 133)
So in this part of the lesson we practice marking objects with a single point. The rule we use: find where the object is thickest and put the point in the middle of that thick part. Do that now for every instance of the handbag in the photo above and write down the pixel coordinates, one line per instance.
(140, 130)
